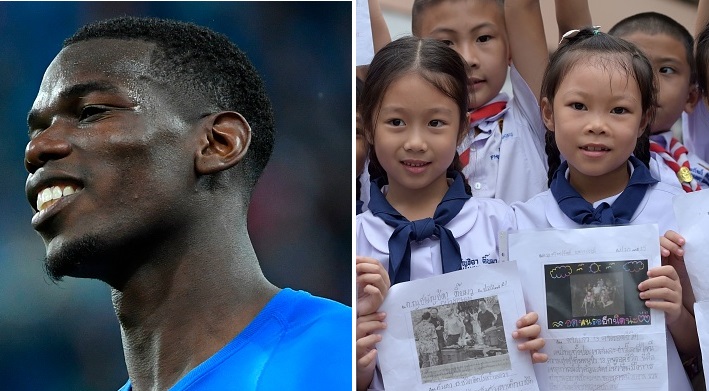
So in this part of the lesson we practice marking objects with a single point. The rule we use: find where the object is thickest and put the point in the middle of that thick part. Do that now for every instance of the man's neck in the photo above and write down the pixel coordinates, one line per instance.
(176, 313)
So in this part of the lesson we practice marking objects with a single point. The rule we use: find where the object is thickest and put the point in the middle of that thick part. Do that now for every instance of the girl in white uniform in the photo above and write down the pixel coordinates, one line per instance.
(422, 220)
(597, 103)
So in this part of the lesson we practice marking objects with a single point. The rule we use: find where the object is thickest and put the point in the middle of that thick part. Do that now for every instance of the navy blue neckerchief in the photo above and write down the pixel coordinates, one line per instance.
(622, 210)
(405, 231)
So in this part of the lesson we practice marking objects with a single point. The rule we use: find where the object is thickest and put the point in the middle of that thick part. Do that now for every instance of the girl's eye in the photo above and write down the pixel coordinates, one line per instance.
(90, 111)
(667, 70)
(436, 123)
(578, 106)
(484, 38)
(396, 122)
(447, 42)
(619, 110)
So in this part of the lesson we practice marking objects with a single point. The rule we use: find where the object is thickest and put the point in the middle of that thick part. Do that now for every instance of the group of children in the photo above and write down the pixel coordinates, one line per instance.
(584, 140)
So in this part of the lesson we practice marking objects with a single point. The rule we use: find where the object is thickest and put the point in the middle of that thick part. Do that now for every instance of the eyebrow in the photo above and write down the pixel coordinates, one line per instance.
(76, 91)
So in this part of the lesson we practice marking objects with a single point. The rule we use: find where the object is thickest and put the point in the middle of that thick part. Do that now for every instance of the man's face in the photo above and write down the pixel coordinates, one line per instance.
(108, 158)
(434, 313)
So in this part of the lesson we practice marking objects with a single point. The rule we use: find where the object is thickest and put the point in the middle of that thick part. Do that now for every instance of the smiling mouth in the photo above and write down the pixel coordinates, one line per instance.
(414, 164)
(595, 149)
(50, 195)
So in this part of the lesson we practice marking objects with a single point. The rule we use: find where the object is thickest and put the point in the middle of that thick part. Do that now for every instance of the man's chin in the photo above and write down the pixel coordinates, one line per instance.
(74, 259)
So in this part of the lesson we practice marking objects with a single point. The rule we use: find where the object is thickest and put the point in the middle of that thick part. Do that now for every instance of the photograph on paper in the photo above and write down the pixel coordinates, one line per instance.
(595, 294)
(467, 337)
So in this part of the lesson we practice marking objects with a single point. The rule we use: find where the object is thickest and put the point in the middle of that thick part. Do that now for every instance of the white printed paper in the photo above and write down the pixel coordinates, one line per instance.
(692, 213)
(365, 45)
(583, 284)
(701, 315)
(473, 357)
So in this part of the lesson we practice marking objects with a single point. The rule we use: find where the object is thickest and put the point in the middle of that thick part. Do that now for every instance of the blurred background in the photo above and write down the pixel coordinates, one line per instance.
(65, 336)
(605, 13)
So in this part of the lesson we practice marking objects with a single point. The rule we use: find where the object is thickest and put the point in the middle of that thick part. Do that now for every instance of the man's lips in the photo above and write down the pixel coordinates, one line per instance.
(44, 188)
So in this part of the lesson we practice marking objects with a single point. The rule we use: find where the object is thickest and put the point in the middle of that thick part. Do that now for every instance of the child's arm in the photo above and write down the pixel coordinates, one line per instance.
(702, 17)
(528, 47)
(372, 285)
(673, 255)
(527, 327)
(571, 14)
(663, 291)
(380, 31)
(366, 353)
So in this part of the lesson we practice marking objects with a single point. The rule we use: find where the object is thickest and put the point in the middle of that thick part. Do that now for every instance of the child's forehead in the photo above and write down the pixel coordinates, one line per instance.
(657, 41)
(460, 11)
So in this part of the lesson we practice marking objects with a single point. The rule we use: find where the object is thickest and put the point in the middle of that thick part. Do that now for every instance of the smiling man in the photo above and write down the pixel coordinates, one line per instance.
(147, 138)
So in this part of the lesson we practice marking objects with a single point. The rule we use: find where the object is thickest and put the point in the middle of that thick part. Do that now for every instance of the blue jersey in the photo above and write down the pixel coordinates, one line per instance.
(297, 342)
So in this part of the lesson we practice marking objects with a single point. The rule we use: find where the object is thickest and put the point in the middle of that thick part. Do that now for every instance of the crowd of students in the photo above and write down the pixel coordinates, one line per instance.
(446, 160)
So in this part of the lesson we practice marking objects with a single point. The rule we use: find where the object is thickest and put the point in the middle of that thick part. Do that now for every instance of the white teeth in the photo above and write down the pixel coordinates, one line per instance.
(53, 193)
(595, 149)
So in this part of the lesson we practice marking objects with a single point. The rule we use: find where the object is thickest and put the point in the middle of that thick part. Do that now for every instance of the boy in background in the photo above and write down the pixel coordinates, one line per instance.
(669, 47)
(503, 155)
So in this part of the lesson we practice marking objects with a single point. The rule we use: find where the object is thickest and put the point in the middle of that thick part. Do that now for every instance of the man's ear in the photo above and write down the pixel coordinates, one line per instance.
(547, 114)
(224, 140)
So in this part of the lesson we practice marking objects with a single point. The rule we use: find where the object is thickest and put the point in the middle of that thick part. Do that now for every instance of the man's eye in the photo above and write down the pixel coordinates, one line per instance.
(90, 111)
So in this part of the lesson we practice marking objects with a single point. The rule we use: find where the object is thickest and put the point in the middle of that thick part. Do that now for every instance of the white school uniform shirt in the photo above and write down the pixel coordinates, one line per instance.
(662, 172)
(695, 131)
(698, 167)
(509, 164)
(542, 211)
(475, 228)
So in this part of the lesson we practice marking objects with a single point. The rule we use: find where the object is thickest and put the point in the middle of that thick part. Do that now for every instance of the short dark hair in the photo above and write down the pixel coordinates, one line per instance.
(207, 65)
(656, 23)
(613, 51)
(702, 59)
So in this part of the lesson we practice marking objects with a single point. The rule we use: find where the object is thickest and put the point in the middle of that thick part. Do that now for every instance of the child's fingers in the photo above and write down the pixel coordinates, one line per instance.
(674, 237)
(528, 319)
(661, 271)
(662, 305)
(532, 344)
(359, 260)
(671, 243)
(366, 328)
(363, 268)
(367, 360)
(538, 358)
(377, 280)
(531, 331)
(370, 317)
(366, 343)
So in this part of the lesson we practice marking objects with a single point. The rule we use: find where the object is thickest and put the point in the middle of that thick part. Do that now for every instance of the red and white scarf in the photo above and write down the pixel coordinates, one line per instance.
(676, 159)
(477, 116)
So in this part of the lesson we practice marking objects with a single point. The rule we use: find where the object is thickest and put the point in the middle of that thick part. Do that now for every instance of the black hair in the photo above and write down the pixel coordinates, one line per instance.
(359, 87)
(655, 23)
(702, 60)
(435, 62)
(619, 53)
(420, 6)
(206, 67)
